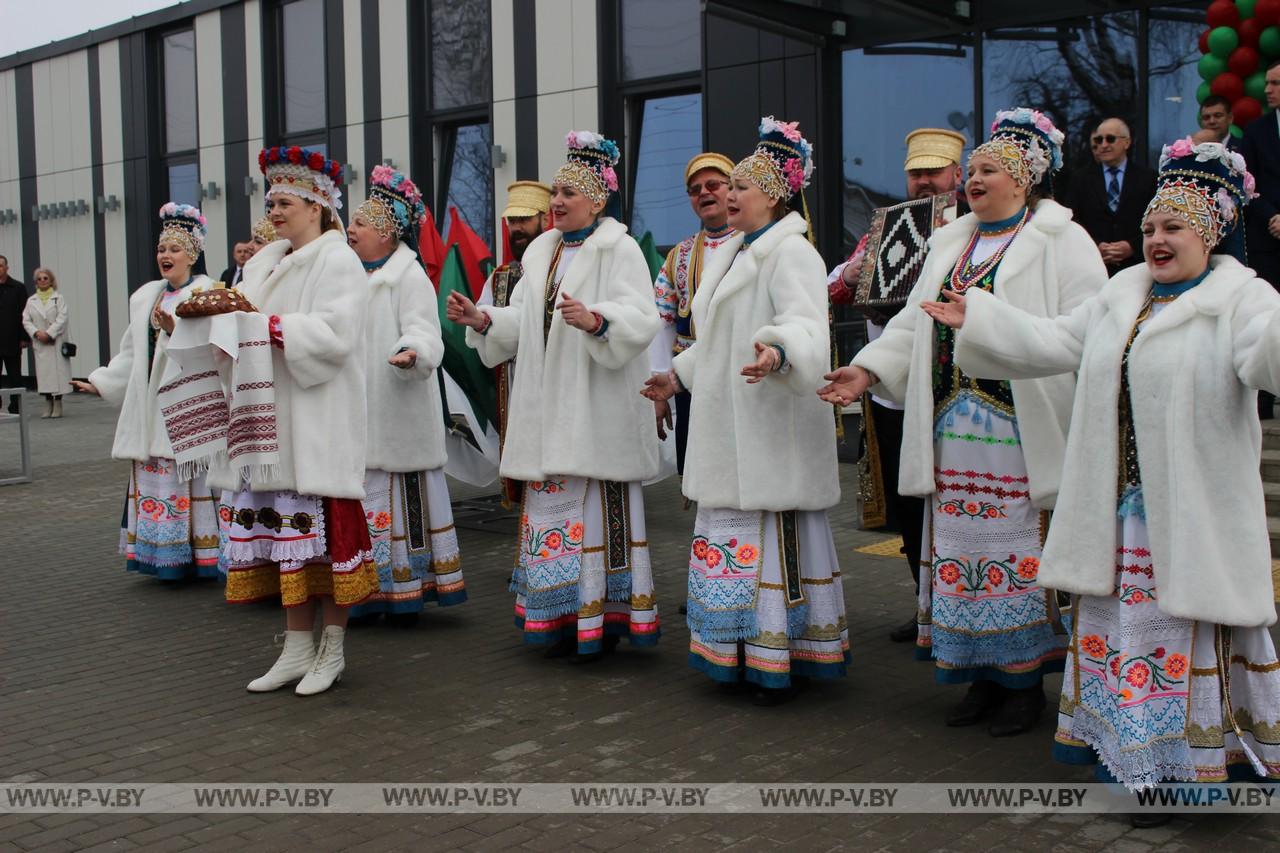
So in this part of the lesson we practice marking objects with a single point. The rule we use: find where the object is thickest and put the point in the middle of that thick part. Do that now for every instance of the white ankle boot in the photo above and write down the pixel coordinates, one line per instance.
(55, 410)
(328, 665)
(48, 408)
(294, 661)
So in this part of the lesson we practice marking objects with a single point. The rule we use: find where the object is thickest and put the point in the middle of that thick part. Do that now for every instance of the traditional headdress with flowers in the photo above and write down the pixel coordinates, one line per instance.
(184, 225)
(1025, 144)
(303, 173)
(1208, 186)
(394, 207)
(264, 229)
(782, 163)
(589, 165)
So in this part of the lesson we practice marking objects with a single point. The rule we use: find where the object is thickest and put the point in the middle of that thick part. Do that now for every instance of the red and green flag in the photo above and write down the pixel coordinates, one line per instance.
(461, 362)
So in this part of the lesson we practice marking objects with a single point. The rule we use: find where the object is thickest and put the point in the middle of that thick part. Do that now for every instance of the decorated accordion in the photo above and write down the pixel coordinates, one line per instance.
(896, 247)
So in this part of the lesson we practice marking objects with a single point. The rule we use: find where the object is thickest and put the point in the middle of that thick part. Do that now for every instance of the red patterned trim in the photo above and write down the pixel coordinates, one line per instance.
(277, 334)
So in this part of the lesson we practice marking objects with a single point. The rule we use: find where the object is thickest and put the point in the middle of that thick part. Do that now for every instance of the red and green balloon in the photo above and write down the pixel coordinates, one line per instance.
(1242, 38)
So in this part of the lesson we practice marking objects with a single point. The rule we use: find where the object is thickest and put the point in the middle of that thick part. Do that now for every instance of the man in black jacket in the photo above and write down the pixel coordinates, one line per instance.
(240, 256)
(13, 338)
(1108, 199)
(1261, 149)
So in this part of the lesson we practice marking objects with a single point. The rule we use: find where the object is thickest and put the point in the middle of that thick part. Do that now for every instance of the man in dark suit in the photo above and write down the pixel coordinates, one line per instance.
(13, 337)
(240, 256)
(1108, 199)
(1261, 149)
(1216, 119)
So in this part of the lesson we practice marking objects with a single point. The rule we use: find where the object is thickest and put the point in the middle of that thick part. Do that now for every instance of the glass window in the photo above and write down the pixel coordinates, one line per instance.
(935, 79)
(1172, 52)
(184, 183)
(1077, 72)
(179, 75)
(670, 134)
(660, 37)
(302, 71)
(461, 70)
(471, 180)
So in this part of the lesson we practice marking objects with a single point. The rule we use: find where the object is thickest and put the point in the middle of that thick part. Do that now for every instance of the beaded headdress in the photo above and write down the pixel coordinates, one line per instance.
(782, 163)
(394, 207)
(1207, 185)
(184, 225)
(589, 167)
(304, 173)
(1025, 144)
(264, 230)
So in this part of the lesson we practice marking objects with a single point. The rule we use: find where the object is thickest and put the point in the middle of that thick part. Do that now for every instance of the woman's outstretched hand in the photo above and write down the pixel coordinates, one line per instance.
(86, 387)
(948, 313)
(460, 309)
(767, 361)
(659, 387)
(846, 385)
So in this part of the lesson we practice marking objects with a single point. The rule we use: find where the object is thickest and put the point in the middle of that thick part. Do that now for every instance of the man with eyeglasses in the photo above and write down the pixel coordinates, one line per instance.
(932, 168)
(1109, 199)
(706, 180)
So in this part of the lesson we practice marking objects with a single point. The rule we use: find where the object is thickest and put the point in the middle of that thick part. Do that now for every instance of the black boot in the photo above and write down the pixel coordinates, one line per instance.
(1148, 820)
(1020, 712)
(983, 698)
(906, 632)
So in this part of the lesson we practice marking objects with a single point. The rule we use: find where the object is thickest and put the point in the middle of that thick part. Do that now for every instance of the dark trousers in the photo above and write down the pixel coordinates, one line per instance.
(903, 515)
(12, 363)
(683, 403)
(1267, 266)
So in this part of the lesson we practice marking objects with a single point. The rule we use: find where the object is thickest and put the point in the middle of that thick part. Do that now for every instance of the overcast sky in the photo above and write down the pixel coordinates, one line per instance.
(29, 23)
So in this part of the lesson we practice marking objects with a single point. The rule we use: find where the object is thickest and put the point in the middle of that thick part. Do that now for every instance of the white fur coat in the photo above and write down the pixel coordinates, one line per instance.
(406, 423)
(53, 369)
(576, 407)
(771, 445)
(1052, 267)
(1192, 372)
(320, 293)
(140, 431)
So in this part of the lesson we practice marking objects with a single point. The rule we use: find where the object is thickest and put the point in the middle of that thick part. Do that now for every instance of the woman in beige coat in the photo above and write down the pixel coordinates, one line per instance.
(45, 319)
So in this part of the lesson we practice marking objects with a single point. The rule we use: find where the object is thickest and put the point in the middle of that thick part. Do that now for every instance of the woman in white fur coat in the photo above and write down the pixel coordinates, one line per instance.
(299, 531)
(45, 318)
(988, 455)
(170, 528)
(406, 503)
(766, 605)
(578, 434)
(1161, 524)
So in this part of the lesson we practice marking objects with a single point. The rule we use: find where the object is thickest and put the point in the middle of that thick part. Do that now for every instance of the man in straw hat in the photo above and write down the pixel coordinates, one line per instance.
(706, 180)
(932, 168)
(528, 203)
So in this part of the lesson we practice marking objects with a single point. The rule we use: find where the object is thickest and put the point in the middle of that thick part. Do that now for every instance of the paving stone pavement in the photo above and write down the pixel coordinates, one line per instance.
(112, 677)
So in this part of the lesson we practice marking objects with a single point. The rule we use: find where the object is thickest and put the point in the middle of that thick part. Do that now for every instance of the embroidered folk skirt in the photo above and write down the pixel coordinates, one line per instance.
(765, 597)
(415, 545)
(583, 569)
(169, 528)
(296, 546)
(982, 615)
(1159, 698)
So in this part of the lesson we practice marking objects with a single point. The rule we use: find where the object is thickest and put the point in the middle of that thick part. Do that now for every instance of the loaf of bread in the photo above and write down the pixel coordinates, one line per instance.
(220, 300)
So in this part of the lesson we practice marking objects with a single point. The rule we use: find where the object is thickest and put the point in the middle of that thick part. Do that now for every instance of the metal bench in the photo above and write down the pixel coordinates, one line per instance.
(7, 395)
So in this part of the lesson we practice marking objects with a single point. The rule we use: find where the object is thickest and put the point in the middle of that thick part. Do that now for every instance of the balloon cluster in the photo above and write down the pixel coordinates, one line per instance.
(1243, 36)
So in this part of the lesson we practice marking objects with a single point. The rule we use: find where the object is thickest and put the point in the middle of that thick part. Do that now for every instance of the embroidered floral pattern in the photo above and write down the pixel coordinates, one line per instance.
(986, 575)
(736, 558)
(971, 509)
(165, 509)
(549, 487)
(548, 542)
(1152, 673)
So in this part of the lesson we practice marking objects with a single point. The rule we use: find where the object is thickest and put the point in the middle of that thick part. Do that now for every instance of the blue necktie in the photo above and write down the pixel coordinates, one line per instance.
(1113, 189)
